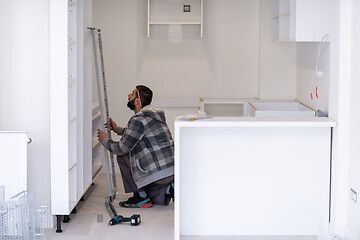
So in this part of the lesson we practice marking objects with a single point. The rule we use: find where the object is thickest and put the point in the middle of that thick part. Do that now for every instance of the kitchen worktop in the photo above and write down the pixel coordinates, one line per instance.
(281, 121)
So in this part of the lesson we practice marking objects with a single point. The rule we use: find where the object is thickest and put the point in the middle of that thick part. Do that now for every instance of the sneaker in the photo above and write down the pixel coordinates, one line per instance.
(136, 202)
(170, 196)
(172, 189)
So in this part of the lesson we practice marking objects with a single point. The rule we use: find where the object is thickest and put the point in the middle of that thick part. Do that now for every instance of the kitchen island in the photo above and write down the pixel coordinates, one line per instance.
(252, 176)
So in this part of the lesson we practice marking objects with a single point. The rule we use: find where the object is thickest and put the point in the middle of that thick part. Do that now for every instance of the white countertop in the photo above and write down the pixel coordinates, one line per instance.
(258, 122)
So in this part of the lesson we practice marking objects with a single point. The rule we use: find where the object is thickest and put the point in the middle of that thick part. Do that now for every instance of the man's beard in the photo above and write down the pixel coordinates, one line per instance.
(131, 104)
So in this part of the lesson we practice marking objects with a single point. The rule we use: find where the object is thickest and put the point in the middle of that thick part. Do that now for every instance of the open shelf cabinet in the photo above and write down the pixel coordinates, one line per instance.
(168, 18)
(70, 105)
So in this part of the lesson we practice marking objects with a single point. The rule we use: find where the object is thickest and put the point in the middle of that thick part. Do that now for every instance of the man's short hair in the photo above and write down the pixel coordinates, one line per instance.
(145, 95)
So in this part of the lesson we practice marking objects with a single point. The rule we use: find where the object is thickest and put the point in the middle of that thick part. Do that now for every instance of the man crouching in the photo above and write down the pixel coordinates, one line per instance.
(145, 152)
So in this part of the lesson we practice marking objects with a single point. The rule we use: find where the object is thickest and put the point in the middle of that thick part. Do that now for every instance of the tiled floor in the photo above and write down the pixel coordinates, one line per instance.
(157, 222)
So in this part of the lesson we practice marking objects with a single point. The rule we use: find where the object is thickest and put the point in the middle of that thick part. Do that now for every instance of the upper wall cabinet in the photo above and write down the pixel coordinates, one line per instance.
(300, 20)
(175, 18)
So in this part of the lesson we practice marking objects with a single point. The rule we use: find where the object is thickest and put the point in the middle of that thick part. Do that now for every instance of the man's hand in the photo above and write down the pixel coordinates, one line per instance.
(113, 125)
(101, 135)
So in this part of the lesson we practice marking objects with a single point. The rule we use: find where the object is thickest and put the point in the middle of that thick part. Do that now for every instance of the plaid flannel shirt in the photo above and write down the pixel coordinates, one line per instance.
(148, 141)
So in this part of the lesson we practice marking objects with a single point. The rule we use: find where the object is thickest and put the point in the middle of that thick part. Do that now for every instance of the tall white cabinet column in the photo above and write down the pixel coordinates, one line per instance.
(70, 108)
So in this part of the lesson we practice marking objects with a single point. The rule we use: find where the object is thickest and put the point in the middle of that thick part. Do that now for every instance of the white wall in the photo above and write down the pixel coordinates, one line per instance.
(306, 56)
(339, 110)
(225, 63)
(24, 85)
(277, 60)
(123, 28)
(353, 220)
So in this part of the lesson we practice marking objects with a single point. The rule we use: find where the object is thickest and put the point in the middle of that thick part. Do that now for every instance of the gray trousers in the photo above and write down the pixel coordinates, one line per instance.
(156, 191)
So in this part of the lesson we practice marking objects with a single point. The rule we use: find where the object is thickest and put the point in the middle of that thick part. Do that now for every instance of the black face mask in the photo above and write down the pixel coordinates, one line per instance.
(131, 104)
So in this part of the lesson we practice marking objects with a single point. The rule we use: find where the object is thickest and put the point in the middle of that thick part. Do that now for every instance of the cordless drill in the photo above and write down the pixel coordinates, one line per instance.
(134, 220)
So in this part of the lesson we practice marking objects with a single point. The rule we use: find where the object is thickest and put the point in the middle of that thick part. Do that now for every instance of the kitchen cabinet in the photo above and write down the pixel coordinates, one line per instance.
(272, 176)
(175, 18)
(300, 20)
(70, 108)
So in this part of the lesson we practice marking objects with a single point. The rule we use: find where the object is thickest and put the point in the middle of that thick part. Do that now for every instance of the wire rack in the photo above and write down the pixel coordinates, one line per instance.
(18, 218)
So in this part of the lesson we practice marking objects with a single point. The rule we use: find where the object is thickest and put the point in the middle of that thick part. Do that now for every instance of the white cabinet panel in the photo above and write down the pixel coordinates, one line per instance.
(97, 150)
(284, 108)
(13, 173)
(70, 117)
(260, 179)
(301, 20)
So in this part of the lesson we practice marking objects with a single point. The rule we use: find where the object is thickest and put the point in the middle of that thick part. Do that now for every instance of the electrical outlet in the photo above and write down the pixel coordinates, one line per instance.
(319, 73)
(353, 195)
(187, 8)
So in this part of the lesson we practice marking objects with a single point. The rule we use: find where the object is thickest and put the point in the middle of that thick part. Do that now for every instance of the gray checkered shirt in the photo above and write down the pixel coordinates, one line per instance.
(148, 141)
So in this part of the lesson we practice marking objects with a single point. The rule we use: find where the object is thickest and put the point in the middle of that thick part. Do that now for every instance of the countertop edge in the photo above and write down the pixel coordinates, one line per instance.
(258, 122)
